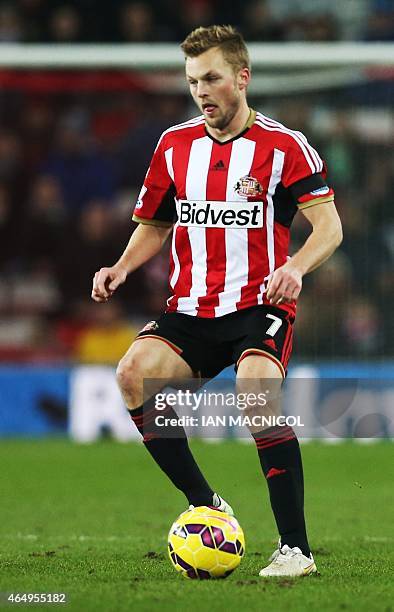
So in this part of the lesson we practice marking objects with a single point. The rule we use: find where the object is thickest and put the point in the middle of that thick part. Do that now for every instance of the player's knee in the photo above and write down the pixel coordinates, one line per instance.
(133, 368)
(128, 374)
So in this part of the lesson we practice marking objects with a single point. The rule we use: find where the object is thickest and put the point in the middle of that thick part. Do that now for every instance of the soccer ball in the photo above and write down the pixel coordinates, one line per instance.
(205, 543)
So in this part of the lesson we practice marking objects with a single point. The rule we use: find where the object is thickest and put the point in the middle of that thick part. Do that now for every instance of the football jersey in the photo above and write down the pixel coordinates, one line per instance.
(231, 205)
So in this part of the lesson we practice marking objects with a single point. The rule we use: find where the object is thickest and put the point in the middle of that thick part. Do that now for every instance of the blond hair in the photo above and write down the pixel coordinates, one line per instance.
(225, 37)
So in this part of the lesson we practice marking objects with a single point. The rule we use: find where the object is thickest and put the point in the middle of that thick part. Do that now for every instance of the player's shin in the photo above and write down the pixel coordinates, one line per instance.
(170, 450)
(280, 458)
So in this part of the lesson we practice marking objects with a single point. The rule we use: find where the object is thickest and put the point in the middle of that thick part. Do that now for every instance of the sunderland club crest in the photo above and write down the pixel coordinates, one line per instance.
(151, 326)
(248, 187)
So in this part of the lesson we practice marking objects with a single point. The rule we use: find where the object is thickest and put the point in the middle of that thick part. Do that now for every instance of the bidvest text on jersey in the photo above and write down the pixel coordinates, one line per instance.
(202, 213)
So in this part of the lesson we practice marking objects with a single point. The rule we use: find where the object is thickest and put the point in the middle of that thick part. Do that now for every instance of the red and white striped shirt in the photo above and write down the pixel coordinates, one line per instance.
(231, 204)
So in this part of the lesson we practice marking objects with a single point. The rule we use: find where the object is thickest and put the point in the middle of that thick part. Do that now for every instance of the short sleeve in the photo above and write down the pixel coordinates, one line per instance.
(301, 160)
(310, 191)
(156, 204)
(305, 173)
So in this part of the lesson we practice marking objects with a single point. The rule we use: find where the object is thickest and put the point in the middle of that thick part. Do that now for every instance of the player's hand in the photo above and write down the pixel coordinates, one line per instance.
(284, 284)
(106, 281)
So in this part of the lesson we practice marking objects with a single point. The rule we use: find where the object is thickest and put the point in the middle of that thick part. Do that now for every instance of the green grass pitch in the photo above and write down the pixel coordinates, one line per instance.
(92, 521)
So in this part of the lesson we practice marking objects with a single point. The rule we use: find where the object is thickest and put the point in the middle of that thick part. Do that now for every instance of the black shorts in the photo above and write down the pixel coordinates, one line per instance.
(210, 345)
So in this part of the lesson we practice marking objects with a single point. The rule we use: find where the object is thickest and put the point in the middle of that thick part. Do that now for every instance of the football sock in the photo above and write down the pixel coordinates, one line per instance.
(173, 455)
(280, 458)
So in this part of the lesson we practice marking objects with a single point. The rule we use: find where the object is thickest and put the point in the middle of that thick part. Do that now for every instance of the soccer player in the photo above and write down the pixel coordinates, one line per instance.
(227, 185)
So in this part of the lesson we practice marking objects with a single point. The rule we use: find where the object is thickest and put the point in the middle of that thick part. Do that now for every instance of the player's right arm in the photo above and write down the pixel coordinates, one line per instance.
(155, 212)
(145, 243)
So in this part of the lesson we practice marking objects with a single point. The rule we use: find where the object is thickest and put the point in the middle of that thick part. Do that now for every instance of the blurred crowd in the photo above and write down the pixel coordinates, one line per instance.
(75, 21)
(69, 176)
(72, 163)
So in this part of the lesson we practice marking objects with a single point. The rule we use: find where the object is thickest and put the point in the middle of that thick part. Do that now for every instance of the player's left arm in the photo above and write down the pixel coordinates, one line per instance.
(286, 282)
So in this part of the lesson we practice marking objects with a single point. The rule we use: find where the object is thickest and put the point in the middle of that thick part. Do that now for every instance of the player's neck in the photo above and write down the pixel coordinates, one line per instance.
(238, 124)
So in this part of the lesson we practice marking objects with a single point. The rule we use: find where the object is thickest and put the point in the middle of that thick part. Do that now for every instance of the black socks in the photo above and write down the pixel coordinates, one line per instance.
(173, 455)
(280, 459)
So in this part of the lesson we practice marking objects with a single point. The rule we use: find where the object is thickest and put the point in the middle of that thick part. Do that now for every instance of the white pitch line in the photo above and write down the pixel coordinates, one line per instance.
(80, 538)
(117, 538)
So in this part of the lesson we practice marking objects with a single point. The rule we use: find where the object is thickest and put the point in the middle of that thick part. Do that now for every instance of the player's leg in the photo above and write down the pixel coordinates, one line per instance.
(281, 463)
(150, 358)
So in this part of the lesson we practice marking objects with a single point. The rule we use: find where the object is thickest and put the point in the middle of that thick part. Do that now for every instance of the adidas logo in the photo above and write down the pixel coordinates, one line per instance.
(271, 343)
(219, 166)
(275, 472)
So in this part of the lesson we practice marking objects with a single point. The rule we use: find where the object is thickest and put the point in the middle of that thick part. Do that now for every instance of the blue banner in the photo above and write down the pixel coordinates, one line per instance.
(336, 400)
(33, 400)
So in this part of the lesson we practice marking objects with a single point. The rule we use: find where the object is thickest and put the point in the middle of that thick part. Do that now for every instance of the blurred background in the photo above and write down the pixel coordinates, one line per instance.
(75, 145)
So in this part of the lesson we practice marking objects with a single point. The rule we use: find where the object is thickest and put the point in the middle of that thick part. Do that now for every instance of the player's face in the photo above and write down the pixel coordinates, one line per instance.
(215, 88)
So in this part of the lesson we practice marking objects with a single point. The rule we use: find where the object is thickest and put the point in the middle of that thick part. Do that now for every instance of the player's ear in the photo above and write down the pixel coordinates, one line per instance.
(243, 78)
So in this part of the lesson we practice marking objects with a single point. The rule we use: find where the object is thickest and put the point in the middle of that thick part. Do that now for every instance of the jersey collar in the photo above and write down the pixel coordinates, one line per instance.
(250, 121)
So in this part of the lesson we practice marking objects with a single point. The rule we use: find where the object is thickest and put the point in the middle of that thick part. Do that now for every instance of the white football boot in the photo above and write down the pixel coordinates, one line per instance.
(218, 503)
(286, 561)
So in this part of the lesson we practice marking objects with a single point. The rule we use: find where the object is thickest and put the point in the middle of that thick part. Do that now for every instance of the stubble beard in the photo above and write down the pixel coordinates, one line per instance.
(221, 122)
